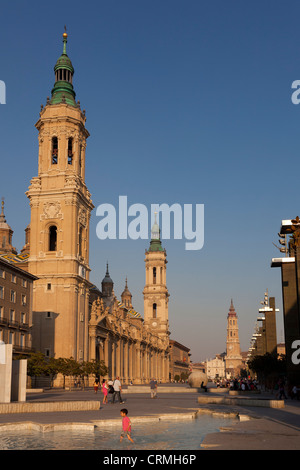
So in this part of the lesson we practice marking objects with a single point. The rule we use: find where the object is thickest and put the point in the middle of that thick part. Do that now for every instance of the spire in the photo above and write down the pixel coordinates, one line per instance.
(126, 296)
(2, 216)
(6, 233)
(155, 243)
(63, 91)
(232, 311)
(107, 284)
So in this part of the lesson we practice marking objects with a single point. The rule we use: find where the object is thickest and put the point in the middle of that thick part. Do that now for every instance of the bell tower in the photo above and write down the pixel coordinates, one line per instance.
(233, 359)
(156, 295)
(61, 206)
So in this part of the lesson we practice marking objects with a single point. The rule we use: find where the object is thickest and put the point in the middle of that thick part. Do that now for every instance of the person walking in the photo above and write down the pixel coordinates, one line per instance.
(96, 385)
(153, 388)
(117, 390)
(281, 390)
(126, 425)
(104, 390)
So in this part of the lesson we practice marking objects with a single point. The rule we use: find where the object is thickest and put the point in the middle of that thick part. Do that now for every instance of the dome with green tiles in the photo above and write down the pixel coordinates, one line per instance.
(63, 91)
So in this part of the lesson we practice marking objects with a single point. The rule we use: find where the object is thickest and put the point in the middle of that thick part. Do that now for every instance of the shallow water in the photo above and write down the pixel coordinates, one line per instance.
(159, 435)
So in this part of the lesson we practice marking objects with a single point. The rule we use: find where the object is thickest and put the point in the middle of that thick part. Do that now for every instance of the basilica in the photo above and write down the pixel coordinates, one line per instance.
(71, 317)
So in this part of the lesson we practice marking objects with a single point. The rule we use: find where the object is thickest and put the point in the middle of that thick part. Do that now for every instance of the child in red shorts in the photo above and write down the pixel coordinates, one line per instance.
(126, 425)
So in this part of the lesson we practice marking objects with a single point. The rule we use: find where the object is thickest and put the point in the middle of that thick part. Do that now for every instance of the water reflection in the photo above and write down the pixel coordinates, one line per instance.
(160, 435)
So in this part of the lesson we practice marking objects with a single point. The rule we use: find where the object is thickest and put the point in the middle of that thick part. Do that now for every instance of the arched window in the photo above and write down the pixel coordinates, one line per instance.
(154, 310)
(70, 151)
(53, 238)
(54, 151)
(80, 241)
(154, 275)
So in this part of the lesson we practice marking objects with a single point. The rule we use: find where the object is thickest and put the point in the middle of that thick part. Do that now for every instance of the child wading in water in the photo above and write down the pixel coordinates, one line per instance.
(126, 425)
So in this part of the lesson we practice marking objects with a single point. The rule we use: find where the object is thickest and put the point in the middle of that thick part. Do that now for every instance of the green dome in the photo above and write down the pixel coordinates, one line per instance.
(63, 91)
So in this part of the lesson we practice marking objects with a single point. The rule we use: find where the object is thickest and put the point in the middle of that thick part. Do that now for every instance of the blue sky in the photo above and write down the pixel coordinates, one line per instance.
(186, 102)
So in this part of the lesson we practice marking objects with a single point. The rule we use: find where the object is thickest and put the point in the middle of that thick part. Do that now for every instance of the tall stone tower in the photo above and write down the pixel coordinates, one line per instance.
(59, 228)
(156, 295)
(233, 360)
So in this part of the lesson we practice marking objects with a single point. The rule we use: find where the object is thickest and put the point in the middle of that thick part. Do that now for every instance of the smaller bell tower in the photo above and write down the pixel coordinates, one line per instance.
(156, 295)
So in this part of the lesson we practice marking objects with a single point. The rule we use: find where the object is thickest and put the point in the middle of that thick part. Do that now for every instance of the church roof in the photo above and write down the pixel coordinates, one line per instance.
(131, 311)
(18, 258)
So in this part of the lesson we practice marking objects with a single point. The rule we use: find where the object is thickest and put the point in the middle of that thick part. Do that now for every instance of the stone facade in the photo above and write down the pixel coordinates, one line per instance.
(215, 368)
(179, 360)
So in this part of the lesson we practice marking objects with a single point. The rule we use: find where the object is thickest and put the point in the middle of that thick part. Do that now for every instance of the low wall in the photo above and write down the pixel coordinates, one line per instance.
(160, 389)
(44, 407)
(205, 400)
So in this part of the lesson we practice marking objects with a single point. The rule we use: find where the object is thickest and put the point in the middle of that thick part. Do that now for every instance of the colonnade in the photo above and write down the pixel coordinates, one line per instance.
(132, 360)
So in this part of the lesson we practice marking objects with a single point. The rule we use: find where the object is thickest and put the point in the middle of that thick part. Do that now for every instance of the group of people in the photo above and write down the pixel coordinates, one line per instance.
(113, 387)
(238, 384)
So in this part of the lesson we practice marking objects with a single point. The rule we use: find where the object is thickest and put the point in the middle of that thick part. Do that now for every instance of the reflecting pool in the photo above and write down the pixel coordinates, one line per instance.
(181, 434)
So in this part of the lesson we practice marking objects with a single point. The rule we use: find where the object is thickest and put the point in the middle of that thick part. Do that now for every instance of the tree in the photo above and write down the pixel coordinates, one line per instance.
(36, 365)
(268, 365)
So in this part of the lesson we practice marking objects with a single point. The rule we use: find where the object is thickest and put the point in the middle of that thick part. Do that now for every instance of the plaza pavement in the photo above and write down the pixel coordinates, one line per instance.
(254, 428)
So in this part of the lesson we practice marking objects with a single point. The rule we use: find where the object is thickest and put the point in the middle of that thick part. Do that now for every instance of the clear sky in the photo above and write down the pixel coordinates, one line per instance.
(186, 102)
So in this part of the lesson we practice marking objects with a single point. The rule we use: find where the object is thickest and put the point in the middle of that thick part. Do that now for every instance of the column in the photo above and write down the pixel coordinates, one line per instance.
(126, 360)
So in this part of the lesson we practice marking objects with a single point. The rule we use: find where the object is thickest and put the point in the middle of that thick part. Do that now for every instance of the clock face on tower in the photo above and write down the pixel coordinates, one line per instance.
(154, 324)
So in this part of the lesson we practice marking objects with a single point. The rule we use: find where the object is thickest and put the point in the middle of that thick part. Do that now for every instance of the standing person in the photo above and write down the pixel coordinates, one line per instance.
(117, 390)
(153, 388)
(111, 388)
(104, 390)
(126, 425)
(281, 390)
(96, 385)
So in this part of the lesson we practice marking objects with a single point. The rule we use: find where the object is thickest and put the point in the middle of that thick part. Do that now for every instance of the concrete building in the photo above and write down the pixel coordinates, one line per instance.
(290, 268)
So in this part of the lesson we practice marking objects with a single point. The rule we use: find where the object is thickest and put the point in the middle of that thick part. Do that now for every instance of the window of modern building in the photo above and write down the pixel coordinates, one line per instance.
(11, 337)
(12, 296)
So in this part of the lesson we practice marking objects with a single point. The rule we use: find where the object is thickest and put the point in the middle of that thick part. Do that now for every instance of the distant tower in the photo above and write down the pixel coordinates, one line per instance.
(156, 295)
(6, 234)
(233, 357)
(126, 296)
